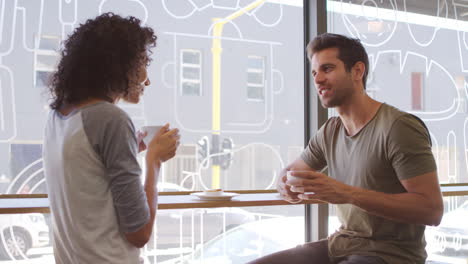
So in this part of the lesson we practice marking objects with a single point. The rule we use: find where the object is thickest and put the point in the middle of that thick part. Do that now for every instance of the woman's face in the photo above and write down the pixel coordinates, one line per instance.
(137, 85)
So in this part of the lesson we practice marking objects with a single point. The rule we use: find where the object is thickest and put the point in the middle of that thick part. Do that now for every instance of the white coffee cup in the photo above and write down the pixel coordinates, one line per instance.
(290, 177)
(151, 131)
(213, 192)
(299, 189)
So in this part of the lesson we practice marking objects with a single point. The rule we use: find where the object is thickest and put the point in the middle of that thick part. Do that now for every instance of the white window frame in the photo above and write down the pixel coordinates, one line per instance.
(38, 67)
(256, 85)
(184, 65)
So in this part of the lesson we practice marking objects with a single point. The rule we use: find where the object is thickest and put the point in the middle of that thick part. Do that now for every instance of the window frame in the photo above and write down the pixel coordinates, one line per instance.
(184, 65)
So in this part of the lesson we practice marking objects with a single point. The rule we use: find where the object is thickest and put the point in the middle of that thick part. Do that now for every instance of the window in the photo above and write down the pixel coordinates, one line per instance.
(245, 141)
(461, 82)
(190, 73)
(256, 78)
(46, 57)
(409, 46)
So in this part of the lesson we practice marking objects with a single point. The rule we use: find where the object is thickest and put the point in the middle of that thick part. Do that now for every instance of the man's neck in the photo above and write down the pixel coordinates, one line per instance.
(356, 113)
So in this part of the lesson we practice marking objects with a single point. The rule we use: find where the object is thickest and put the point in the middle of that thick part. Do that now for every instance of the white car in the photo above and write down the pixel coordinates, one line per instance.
(251, 241)
(451, 236)
(21, 232)
(183, 227)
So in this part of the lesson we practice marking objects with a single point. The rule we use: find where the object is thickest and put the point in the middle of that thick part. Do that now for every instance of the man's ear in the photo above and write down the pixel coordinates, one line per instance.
(358, 71)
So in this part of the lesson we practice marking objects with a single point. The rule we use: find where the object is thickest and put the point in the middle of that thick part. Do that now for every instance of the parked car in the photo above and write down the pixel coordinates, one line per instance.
(251, 241)
(21, 232)
(186, 227)
(451, 236)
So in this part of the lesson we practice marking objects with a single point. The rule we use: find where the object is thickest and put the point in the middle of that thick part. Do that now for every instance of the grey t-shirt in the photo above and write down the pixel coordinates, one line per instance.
(94, 185)
(393, 146)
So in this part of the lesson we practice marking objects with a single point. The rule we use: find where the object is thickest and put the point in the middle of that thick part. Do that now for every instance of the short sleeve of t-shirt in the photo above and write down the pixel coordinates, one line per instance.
(409, 148)
(313, 155)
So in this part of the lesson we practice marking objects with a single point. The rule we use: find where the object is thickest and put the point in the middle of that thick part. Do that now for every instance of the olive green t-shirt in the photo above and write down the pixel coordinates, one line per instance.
(393, 146)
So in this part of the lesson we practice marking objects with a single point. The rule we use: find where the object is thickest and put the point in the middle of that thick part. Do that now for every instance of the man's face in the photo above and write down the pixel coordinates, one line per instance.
(333, 83)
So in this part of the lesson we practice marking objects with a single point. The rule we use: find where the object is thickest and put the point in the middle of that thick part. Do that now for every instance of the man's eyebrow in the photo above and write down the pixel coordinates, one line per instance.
(327, 65)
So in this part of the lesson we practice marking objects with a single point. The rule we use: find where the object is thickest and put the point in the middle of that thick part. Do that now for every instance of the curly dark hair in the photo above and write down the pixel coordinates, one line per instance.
(98, 58)
(350, 50)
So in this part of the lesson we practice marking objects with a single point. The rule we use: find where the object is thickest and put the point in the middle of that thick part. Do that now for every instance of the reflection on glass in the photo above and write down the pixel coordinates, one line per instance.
(217, 73)
(25, 238)
(418, 64)
(191, 57)
(224, 235)
(191, 73)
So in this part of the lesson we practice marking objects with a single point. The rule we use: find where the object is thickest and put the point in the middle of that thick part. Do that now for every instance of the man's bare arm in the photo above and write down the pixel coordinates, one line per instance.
(421, 204)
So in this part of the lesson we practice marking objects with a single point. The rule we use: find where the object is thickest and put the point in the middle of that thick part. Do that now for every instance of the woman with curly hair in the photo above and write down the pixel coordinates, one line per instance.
(101, 212)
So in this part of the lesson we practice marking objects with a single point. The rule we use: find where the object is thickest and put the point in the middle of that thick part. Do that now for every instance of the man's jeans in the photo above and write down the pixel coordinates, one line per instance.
(313, 253)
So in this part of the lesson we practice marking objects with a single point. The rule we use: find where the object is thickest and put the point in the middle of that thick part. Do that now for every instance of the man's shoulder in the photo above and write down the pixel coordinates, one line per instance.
(394, 121)
(389, 115)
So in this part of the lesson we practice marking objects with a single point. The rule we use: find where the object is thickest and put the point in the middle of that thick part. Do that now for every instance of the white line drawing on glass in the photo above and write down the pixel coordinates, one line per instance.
(134, 8)
(198, 175)
(374, 26)
(185, 9)
(452, 157)
(225, 4)
(201, 4)
(419, 35)
(8, 129)
(452, 167)
(68, 15)
(461, 16)
(255, 13)
(31, 16)
(430, 65)
(260, 126)
(466, 89)
(11, 188)
(192, 8)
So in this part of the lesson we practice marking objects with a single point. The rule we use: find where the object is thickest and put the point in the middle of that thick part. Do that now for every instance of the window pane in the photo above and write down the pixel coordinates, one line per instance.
(254, 78)
(43, 78)
(255, 63)
(191, 57)
(190, 88)
(224, 235)
(218, 109)
(191, 73)
(254, 92)
(418, 63)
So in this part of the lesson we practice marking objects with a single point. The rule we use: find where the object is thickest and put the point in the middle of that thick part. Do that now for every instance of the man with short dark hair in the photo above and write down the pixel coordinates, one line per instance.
(383, 176)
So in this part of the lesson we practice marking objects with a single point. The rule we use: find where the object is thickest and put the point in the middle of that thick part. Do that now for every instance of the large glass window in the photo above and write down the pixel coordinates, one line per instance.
(218, 74)
(210, 56)
(419, 63)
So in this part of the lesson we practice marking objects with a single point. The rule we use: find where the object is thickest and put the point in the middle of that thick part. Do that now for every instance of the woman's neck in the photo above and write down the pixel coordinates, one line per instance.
(68, 108)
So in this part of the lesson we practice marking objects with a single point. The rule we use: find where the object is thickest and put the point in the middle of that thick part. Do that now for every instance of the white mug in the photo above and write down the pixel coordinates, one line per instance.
(151, 131)
(299, 189)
